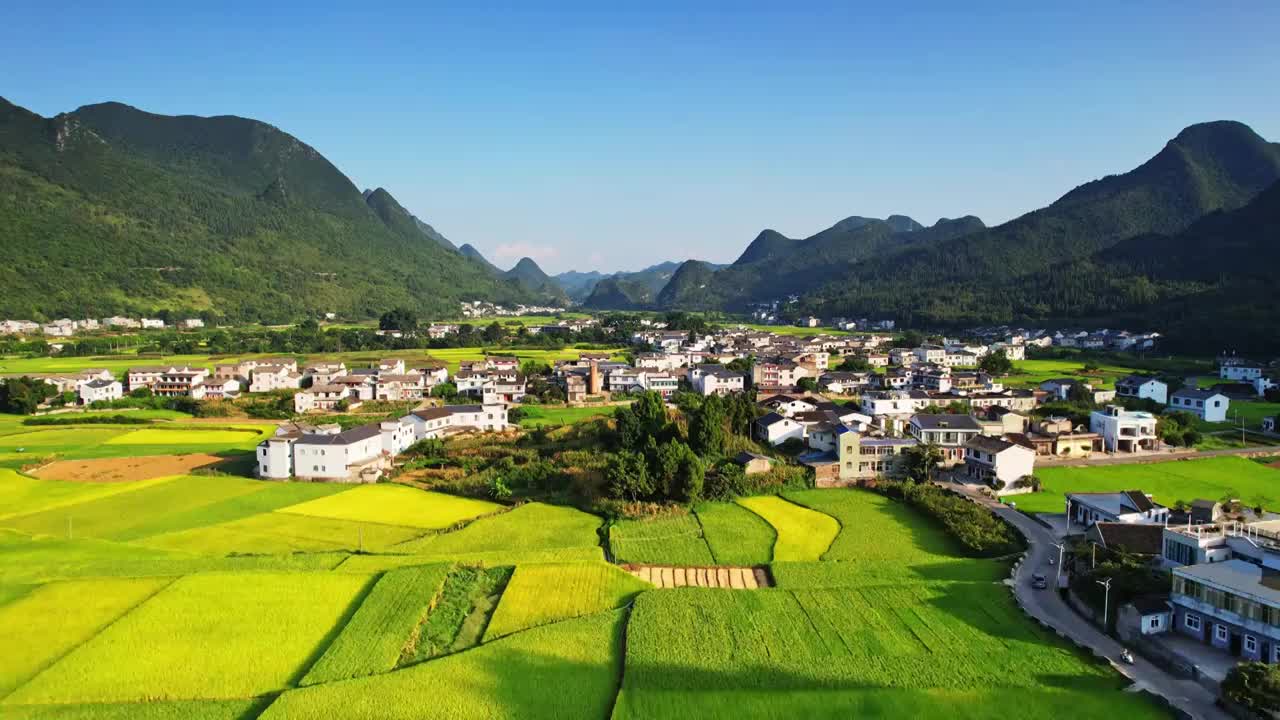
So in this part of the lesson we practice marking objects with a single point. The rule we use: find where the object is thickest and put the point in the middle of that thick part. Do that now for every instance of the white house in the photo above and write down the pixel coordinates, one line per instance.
(265, 378)
(994, 460)
(152, 324)
(1142, 388)
(92, 391)
(1124, 430)
(949, 432)
(320, 397)
(1207, 405)
(351, 455)
(1128, 506)
(450, 419)
(715, 380)
(776, 429)
(1240, 369)
(788, 405)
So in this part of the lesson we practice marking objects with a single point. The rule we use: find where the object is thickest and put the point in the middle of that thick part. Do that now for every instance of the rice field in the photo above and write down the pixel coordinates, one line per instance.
(395, 505)
(279, 532)
(173, 710)
(52, 620)
(1186, 480)
(531, 526)
(565, 670)
(663, 540)
(924, 650)
(877, 529)
(735, 535)
(803, 534)
(113, 441)
(205, 637)
(541, 594)
(377, 563)
(380, 631)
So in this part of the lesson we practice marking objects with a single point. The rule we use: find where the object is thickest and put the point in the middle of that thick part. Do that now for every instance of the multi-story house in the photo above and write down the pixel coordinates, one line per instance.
(1240, 369)
(1125, 430)
(716, 380)
(999, 463)
(949, 432)
(99, 390)
(181, 381)
(265, 378)
(320, 397)
(451, 419)
(665, 384)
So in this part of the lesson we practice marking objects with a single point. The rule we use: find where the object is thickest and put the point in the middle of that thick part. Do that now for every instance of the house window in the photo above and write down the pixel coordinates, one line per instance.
(1220, 632)
(1250, 643)
(1191, 621)
(1154, 623)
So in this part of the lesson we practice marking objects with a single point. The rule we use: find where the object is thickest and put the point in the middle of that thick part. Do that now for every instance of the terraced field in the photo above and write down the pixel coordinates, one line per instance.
(203, 596)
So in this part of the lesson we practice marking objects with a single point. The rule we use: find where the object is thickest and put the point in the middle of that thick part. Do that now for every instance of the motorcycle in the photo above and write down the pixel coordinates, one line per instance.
(1127, 657)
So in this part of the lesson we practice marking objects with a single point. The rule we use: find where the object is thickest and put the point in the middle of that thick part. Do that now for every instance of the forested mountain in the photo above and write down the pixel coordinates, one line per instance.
(1047, 263)
(471, 253)
(530, 276)
(109, 209)
(619, 293)
(641, 286)
(775, 266)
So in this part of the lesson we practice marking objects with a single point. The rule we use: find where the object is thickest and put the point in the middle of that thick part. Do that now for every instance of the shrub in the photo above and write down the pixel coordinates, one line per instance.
(1255, 685)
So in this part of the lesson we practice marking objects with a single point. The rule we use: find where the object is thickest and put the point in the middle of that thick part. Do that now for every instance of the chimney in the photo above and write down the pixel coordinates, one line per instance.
(593, 381)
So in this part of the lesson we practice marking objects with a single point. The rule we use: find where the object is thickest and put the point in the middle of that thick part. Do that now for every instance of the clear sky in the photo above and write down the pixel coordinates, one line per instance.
(598, 136)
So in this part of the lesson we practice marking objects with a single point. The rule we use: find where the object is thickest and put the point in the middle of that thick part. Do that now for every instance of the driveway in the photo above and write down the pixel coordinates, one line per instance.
(1050, 608)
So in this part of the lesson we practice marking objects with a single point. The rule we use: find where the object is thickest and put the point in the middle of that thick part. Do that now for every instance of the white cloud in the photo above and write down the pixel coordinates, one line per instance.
(515, 251)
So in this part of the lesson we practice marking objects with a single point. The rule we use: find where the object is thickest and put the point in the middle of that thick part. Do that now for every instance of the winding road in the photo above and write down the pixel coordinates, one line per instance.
(1048, 607)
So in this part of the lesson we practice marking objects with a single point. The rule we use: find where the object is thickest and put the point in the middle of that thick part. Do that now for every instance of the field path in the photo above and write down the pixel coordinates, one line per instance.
(733, 578)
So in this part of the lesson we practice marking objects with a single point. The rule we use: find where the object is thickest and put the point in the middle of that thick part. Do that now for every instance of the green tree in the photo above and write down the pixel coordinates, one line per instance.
(854, 363)
(921, 461)
(402, 319)
(706, 428)
(1255, 685)
(690, 477)
(996, 363)
(627, 476)
(493, 333)
(807, 384)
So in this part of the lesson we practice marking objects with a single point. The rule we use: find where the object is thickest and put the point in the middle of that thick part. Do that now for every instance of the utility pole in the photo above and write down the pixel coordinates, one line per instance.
(1106, 600)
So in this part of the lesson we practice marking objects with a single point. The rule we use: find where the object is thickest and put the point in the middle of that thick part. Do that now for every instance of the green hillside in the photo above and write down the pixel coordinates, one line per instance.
(530, 276)
(1041, 266)
(109, 209)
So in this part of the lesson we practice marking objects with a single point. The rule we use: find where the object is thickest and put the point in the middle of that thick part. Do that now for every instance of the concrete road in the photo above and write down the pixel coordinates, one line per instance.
(1049, 607)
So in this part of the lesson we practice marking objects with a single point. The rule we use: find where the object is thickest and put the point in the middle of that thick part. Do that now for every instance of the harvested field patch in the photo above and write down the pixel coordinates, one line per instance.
(662, 540)
(803, 534)
(381, 630)
(396, 505)
(725, 578)
(205, 636)
(124, 469)
(566, 670)
(541, 594)
(51, 620)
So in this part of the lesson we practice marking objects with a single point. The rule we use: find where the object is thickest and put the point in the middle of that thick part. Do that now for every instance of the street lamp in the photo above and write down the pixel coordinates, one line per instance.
(1106, 598)
(1057, 583)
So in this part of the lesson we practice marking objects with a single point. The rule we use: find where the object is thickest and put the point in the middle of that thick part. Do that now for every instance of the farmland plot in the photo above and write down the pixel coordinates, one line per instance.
(566, 670)
(532, 526)
(462, 609)
(174, 710)
(379, 631)
(664, 540)
(396, 505)
(541, 594)
(51, 620)
(883, 652)
(22, 495)
(735, 535)
(377, 563)
(1169, 482)
(122, 515)
(280, 532)
(204, 636)
(803, 534)
(876, 529)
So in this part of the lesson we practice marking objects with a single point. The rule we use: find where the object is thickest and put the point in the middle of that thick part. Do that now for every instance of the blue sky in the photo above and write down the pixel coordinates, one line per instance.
(592, 137)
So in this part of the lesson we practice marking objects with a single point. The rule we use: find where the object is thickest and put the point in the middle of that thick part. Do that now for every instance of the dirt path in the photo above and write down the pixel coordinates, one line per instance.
(733, 578)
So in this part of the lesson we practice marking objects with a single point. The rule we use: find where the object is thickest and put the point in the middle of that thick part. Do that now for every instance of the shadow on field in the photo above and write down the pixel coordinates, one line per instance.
(337, 629)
